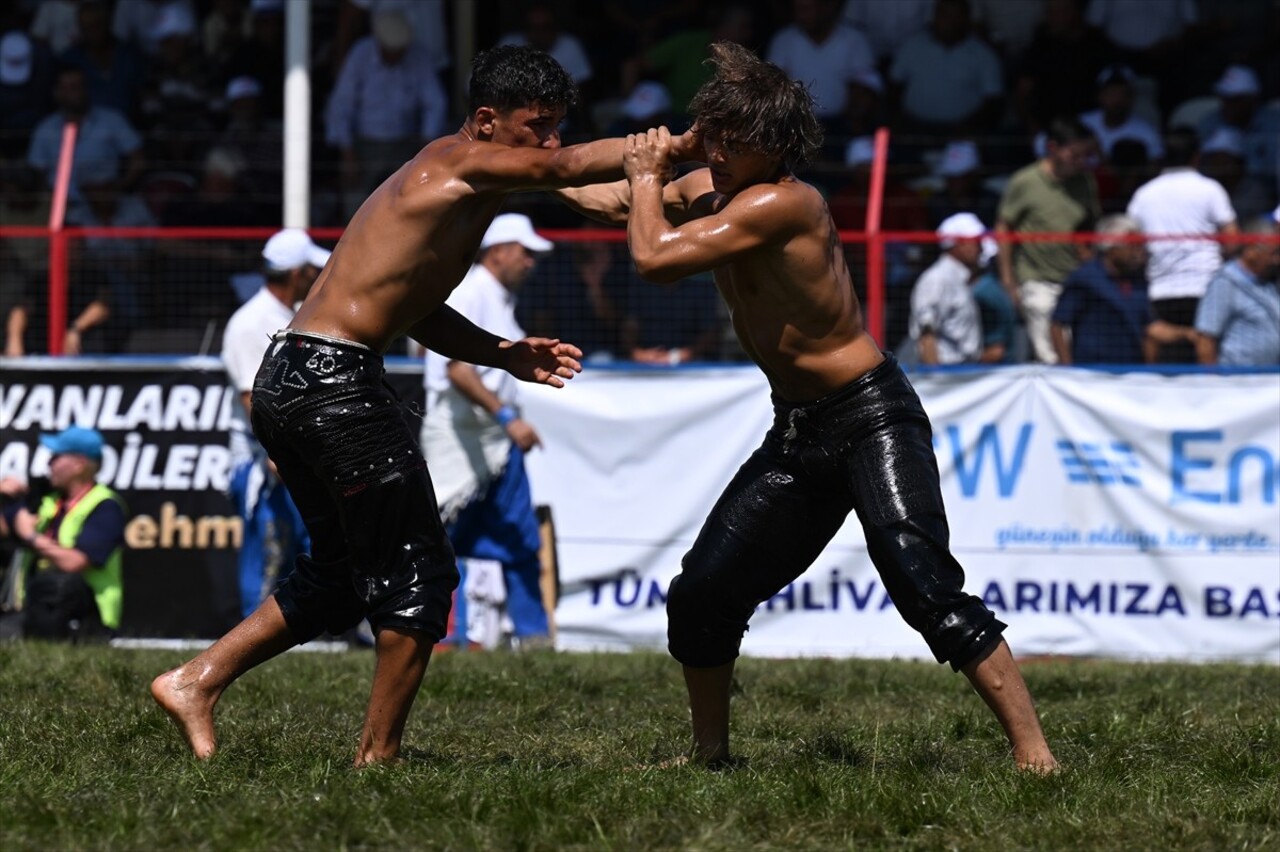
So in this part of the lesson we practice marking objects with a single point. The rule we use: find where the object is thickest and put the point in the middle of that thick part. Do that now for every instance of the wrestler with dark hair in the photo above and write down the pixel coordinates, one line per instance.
(334, 430)
(849, 432)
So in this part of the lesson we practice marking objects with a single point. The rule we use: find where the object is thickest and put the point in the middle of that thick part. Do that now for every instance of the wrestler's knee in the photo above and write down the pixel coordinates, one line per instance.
(318, 597)
(420, 598)
(702, 630)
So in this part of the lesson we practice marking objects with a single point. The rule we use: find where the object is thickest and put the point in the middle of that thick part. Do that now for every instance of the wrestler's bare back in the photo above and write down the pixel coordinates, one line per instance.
(791, 300)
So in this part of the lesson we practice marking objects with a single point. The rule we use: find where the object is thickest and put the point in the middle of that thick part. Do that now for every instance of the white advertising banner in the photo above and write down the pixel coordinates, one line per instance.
(1129, 515)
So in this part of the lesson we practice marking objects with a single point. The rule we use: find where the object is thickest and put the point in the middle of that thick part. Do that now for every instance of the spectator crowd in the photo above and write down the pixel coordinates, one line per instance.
(1129, 119)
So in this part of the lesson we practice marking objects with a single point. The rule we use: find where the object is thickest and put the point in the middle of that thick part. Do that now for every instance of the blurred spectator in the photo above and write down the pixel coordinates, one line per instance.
(26, 76)
(114, 268)
(1242, 109)
(475, 440)
(205, 267)
(176, 105)
(945, 325)
(1238, 320)
(865, 111)
(648, 105)
(824, 53)
(1009, 25)
(1120, 175)
(386, 104)
(24, 263)
(1222, 158)
(261, 56)
(680, 60)
(135, 20)
(73, 538)
(107, 147)
(543, 31)
(258, 141)
(1151, 36)
(946, 79)
(1055, 194)
(1061, 66)
(1103, 315)
(887, 25)
(114, 71)
(577, 295)
(1114, 118)
(1181, 201)
(228, 25)
(903, 210)
(274, 534)
(426, 19)
(55, 24)
(999, 318)
(671, 324)
(963, 189)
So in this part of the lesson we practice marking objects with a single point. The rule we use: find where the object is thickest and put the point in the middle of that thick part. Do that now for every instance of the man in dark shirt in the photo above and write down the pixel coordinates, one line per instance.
(1103, 315)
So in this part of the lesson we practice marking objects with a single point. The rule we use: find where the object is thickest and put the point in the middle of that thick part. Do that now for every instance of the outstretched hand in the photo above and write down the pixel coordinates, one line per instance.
(543, 360)
(648, 154)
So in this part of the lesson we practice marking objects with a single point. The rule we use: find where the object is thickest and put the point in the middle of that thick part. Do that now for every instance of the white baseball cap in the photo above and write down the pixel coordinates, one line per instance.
(960, 226)
(515, 228)
(1236, 81)
(647, 99)
(292, 248)
(15, 58)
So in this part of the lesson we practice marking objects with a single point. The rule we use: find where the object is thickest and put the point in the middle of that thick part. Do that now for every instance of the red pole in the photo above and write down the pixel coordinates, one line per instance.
(58, 274)
(875, 243)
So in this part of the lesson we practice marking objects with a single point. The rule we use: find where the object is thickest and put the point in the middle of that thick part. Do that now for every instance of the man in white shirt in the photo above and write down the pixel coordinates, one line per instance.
(474, 440)
(823, 52)
(541, 30)
(273, 530)
(945, 324)
(1114, 118)
(1180, 201)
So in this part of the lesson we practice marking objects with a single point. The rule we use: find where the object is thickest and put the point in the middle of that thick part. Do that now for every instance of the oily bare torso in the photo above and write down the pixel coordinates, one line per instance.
(403, 252)
(794, 309)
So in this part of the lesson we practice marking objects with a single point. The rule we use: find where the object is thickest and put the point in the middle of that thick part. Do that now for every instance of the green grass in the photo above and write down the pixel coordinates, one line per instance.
(556, 751)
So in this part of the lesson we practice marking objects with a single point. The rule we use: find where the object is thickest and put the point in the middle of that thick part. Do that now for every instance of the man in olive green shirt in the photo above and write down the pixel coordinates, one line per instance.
(1056, 194)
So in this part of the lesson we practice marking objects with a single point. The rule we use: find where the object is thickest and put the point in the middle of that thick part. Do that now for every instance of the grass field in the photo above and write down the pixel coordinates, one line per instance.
(556, 751)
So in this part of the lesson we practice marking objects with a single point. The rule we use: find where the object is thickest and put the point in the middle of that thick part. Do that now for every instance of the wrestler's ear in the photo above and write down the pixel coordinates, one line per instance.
(485, 118)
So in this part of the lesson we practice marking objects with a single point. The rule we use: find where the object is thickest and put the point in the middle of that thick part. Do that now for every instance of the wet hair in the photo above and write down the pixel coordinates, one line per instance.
(512, 76)
(757, 105)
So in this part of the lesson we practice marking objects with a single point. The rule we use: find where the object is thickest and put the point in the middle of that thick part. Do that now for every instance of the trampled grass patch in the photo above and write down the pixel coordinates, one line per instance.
(560, 751)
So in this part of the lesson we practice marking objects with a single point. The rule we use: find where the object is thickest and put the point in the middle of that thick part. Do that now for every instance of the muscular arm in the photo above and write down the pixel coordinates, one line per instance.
(689, 197)
(490, 167)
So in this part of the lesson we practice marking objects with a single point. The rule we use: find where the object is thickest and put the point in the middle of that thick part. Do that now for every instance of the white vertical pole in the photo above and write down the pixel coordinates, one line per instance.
(297, 114)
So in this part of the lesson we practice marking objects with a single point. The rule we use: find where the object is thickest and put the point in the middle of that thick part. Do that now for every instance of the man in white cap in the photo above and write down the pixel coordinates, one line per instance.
(1241, 107)
(945, 325)
(273, 530)
(474, 439)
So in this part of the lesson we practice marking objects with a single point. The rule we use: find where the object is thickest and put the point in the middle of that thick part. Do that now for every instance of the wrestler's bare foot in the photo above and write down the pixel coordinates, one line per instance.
(365, 759)
(1037, 763)
(190, 707)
